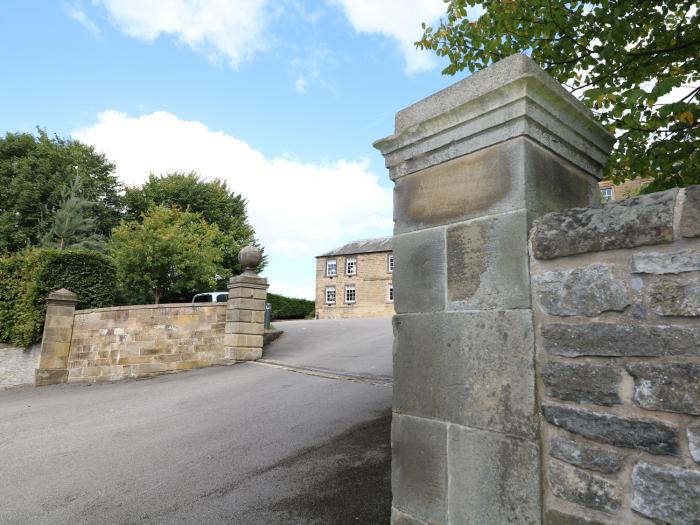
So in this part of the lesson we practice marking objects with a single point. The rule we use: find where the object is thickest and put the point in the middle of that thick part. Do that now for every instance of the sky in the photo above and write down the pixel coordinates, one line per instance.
(280, 98)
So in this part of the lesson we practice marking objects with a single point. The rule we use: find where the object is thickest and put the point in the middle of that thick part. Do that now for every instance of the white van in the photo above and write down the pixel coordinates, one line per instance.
(211, 297)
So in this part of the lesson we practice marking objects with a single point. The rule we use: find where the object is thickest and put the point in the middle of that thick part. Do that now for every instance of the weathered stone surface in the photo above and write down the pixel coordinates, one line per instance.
(401, 518)
(690, 218)
(672, 298)
(643, 433)
(628, 223)
(693, 433)
(582, 382)
(419, 467)
(662, 263)
(493, 478)
(672, 387)
(666, 493)
(580, 487)
(584, 455)
(45, 376)
(620, 340)
(587, 291)
(419, 281)
(487, 264)
(555, 517)
(475, 367)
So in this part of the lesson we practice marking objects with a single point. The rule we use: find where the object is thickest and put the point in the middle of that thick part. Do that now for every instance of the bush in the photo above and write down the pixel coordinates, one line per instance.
(26, 279)
(289, 307)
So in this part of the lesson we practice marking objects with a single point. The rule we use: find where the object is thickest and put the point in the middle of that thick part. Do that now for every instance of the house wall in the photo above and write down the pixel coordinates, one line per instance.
(371, 285)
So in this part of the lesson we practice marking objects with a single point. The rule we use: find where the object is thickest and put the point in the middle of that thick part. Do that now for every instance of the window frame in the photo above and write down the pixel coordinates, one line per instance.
(325, 295)
(328, 264)
(390, 263)
(390, 292)
(352, 260)
(604, 198)
(350, 287)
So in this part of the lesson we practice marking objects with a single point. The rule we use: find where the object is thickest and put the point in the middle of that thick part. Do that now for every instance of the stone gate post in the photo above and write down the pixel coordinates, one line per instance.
(245, 311)
(55, 343)
(473, 165)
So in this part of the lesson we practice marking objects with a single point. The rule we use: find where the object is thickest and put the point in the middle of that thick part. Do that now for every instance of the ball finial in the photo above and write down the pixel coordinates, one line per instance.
(250, 257)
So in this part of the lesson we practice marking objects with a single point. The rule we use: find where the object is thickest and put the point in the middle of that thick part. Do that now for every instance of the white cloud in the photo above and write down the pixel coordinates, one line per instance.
(77, 14)
(397, 19)
(232, 29)
(298, 209)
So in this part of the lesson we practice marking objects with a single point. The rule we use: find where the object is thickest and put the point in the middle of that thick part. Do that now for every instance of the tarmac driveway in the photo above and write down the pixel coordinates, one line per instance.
(306, 441)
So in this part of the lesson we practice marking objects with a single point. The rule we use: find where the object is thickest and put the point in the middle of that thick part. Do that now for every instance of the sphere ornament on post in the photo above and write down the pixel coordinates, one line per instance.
(250, 257)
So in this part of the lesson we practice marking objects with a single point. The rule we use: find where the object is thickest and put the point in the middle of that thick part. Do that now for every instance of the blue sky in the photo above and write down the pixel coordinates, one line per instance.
(282, 99)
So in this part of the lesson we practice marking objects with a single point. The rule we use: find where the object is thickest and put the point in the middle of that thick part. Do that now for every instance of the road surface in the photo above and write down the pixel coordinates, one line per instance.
(253, 443)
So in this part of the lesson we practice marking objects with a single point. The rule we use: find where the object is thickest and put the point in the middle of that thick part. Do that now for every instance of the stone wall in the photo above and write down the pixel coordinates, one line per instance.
(616, 300)
(108, 344)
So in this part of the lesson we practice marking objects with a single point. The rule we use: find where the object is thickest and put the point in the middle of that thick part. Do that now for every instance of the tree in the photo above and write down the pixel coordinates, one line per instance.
(35, 170)
(628, 60)
(69, 226)
(211, 199)
(168, 252)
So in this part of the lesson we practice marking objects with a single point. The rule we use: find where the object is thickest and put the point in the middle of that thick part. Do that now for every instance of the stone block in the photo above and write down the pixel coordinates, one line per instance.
(646, 434)
(671, 387)
(585, 455)
(690, 217)
(44, 377)
(666, 493)
(243, 354)
(401, 518)
(672, 298)
(245, 316)
(150, 368)
(582, 382)
(246, 304)
(487, 263)
(243, 340)
(246, 328)
(419, 275)
(245, 292)
(493, 478)
(583, 488)
(693, 434)
(556, 517)
(419, 467)
(620, 340)
(475, 369)
(587, 291)
(629, 223)
(662, 263)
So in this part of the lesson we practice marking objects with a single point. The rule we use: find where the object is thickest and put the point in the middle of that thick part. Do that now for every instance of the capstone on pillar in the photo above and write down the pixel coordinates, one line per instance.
(245, 311)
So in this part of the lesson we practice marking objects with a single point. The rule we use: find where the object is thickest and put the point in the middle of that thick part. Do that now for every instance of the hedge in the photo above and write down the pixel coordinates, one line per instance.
(289, 307)
(26, 279)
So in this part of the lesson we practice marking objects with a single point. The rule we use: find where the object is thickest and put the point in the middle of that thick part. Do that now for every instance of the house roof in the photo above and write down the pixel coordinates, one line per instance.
(382, 244)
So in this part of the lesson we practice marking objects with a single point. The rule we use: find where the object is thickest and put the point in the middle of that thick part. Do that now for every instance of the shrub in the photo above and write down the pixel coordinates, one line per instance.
(289, 307)
(28, 278)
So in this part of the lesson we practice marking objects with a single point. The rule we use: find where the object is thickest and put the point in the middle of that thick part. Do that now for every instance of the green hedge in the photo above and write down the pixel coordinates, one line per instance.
(26, 280)
(290, 308)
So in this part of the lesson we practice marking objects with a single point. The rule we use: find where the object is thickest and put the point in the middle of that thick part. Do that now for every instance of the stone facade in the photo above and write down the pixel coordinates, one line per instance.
(372, 281)
(616, 293)
(624, 190)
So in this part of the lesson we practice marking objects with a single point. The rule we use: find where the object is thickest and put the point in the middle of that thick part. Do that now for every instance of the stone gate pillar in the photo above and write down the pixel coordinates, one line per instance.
(473, 165)
(55, 342)
(245, 311)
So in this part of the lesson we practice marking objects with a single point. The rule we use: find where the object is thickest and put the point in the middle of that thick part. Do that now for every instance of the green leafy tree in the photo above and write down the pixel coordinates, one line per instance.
(168, 252)
(70, 227)
(623, 58)
(34, 172)
(211, 199)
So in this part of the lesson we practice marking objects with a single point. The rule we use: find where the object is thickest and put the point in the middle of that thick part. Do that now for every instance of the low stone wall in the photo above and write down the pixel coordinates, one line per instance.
(616, 300)
(135, 341)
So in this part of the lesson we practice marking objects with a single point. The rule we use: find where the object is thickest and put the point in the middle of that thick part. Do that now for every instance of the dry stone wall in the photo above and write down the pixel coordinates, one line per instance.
(616, 301)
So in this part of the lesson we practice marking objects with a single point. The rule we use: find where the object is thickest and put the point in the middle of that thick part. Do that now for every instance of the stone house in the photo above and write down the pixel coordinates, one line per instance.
(616, 192)
(355, 280)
